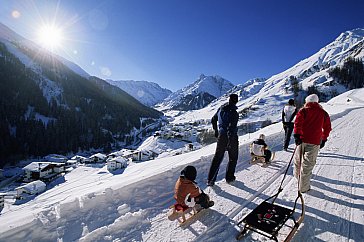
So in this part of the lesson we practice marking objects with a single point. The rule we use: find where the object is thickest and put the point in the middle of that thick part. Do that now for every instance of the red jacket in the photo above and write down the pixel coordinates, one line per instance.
(183, 188)
(312, 123)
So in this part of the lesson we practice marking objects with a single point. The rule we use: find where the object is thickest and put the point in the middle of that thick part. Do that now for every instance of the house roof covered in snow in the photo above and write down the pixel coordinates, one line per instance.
(76, 157)
(33, 186)
(119, 159)
(98, 155)
(36, 166)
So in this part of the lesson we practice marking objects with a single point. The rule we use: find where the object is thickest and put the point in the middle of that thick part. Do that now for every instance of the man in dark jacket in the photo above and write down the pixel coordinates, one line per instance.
(288, 113)
(224, 123)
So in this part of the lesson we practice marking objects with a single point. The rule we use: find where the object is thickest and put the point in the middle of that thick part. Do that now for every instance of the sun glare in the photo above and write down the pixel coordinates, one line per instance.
(50, 37)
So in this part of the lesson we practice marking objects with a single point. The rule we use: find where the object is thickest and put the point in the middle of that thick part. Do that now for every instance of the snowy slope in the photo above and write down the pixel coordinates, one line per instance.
(214, 86)
(148, 93)
(13, 40)
(272, 93)
(96, 205)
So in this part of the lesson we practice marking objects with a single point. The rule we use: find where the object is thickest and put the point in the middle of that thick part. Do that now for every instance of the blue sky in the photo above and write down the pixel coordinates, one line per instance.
(172, 42)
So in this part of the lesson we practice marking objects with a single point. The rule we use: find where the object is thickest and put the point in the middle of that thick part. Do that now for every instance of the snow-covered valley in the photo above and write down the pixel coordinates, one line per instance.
(93, 204)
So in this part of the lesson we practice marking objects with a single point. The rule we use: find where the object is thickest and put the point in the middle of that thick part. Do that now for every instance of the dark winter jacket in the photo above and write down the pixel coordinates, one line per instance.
(226, 119)
(312, 123)
(260, 142)
(185, 189)
(288, 114)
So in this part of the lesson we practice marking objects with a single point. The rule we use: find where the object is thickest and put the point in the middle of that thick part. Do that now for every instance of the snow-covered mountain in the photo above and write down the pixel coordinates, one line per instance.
(263, 99)
(92, 204)
(197, 95)
(148, 93)
(49, 104)
(14, 40)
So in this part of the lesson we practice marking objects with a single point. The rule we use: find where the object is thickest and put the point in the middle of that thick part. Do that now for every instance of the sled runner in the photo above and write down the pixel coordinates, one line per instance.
(268, 218)
(184, 214)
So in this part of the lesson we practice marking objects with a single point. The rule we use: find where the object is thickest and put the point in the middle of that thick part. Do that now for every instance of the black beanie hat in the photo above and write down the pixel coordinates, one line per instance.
(234, 98)
(189, 172)
(291, 102)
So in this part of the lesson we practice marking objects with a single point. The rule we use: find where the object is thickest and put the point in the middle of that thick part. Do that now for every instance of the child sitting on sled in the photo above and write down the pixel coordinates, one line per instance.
(259, 149)
(186, 191)
(188, 195)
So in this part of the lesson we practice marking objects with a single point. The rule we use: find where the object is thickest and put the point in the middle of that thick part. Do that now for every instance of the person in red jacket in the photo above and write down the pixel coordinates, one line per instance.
(311, 130)
(186, 191)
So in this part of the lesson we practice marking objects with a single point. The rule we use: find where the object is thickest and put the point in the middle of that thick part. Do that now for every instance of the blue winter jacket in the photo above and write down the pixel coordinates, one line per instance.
(226, 119)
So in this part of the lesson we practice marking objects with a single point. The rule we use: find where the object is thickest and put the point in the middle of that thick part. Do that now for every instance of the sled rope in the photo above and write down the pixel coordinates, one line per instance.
(285, 174)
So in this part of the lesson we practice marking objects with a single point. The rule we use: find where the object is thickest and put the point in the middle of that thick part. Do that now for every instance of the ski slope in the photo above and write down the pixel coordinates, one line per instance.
(92, 204)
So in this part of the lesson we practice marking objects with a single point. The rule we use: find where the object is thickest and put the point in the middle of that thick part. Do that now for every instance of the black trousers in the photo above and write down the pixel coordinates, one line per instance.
(231, 144)
(203, 199)
(268, 155)
(288, 128)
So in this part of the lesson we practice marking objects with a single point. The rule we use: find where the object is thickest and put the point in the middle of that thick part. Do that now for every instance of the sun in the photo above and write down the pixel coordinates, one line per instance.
(50, 37)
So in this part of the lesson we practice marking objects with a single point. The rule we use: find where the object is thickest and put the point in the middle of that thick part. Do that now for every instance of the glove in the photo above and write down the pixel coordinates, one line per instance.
(284, 125)
(297, 139)
(216, 133)
(322, 143)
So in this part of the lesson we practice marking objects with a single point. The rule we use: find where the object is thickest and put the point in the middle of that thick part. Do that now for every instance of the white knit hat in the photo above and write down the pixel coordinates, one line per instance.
(313, 98)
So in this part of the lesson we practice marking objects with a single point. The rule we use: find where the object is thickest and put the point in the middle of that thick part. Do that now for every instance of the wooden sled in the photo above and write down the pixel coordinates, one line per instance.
(182, 213)
(260, 159)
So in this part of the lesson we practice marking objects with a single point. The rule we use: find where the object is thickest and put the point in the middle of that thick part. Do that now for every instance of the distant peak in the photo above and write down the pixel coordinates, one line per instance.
(357, 33)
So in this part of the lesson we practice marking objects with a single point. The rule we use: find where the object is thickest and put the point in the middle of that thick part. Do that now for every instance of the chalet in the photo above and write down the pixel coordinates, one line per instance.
(189, 147)
(45, 171)
(98, 158)
(144, 155)
(31, 188)
(192, 146)
(81, 159)
(75, 160)
(116, 163)
(127, 154)
(71, 163)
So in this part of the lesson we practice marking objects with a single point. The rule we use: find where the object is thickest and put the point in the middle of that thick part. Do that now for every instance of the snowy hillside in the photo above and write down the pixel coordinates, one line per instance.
(92, 204)
(274, 92)
(148, 93)
(13, 41)
(42, 100)
(197, 95)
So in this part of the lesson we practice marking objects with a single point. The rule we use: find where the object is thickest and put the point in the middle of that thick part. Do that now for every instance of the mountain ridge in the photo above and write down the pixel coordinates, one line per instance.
(312, 71)
(148, 93)
(47, 107)
(196, 95)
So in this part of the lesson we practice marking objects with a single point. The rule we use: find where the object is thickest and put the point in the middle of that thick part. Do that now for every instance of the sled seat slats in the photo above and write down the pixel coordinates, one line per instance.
(268, 217)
